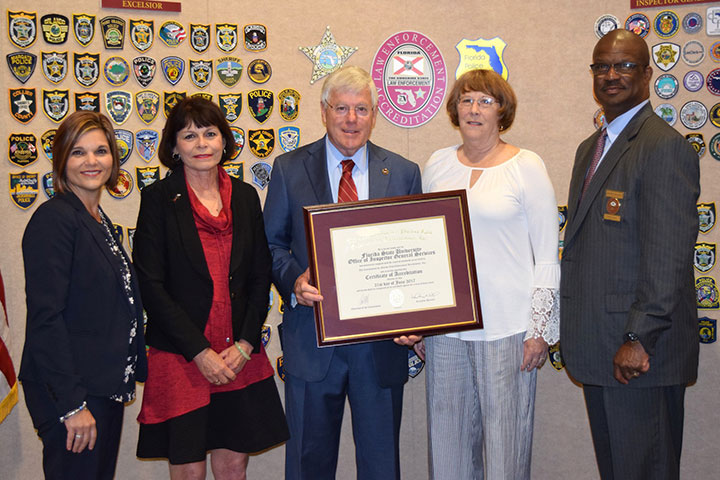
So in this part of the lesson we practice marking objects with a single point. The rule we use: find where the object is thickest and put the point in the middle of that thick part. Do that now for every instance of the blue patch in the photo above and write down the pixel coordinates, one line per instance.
(172, 33)
(562, 216)
(707, 328)
(118, 105)
(289, 138)
(22, 65)
(706, 216)
(712, 81)
(265, 335)
(173, 69)
(261, 174)
(125, 140)
(415, 365)
(47, 184)
(279, 368)
(147, 143)
(555, 357)
(692, 23)
(666, 24)
(666, 86)
(23, 189)
(707, 293)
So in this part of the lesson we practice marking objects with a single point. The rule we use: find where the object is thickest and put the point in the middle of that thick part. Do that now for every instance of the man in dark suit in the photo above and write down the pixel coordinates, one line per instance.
(629, 329)
(370, 375)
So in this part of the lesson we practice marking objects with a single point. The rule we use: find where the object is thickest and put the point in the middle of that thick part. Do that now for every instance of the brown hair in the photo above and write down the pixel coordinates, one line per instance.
(67, 135)
(193, 111)
(486, 81)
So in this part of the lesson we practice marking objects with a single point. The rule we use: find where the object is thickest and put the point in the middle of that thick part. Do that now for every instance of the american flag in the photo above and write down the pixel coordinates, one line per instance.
(8, 380)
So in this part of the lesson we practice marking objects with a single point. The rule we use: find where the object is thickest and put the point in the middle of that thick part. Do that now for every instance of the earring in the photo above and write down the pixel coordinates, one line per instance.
(224, 151)
(176, 157)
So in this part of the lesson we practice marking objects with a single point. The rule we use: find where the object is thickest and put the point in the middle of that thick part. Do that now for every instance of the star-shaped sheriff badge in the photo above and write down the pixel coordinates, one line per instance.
(326, 57)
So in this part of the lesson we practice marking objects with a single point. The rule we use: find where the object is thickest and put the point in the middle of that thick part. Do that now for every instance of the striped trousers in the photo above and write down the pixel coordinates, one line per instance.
(480, 409)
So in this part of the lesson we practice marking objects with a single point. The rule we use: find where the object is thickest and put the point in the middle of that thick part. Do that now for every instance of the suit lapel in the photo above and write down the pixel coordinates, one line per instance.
(378, 172)
(239, 236)
(316, 169)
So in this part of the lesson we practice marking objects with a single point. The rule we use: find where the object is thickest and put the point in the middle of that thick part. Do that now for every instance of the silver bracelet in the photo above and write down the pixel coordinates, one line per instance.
(73, 412)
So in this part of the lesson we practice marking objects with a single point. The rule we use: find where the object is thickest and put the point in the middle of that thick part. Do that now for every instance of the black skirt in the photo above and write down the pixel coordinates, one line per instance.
(248, 420)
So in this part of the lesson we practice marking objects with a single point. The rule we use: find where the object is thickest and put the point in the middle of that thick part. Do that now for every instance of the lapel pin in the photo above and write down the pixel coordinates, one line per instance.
(385, 171)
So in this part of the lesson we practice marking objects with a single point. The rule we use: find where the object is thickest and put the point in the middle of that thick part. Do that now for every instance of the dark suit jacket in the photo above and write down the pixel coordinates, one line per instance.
(174, 277)
(78, 315)
(299, 179)
(632, 272)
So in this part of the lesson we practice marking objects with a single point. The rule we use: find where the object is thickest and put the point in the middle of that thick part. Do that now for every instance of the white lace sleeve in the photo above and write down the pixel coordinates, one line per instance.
(545, 318)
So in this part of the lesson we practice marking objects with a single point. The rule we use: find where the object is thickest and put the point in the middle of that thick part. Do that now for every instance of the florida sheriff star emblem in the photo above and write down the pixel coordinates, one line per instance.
(327, 57)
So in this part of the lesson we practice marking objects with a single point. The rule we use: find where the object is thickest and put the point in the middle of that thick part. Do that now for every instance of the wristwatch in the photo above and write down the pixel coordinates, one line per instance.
(631, 337)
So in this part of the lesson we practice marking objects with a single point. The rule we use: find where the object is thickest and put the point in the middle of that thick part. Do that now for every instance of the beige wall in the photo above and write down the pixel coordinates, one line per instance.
(549, 49)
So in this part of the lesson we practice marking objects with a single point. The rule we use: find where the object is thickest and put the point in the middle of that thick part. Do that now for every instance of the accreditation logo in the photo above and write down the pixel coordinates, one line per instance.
(707, 293)
(55, 28)
(201, 72)
(146, 176)
(261, 174)
(704, 258)
(22, 150)
(146, 142)
(231, 105)
(113, 32)
(88, 101)
(234, 169)
(22, 28)
(83, 28)
(86, 68)
(255, 37)
(142, 34)
(124, 185)
(199, 37)
(707, 328)
(289, 99)
(23, 189)
(23, 104)
(261, 142)
(239, 138)
(48, 184)
(410, 75)
(22, 65)
(706, 216)
(260, 104)
(144, 70)
(124, 140)
(170, 99)
(118, 104)
(56, 104)
(147, 105)
(173, 69)
(229, 70)
(54, 66)
(172, 33)
(46, 142)
(226, 36)
(289, 137)
(665, 55)
(482, 54)
(116, 71)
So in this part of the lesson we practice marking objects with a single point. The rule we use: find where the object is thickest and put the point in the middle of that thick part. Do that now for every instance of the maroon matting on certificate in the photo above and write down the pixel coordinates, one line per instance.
(393, 266)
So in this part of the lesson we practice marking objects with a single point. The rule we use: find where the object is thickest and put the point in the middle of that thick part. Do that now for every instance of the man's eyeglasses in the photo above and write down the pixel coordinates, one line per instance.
(621, 68)
(483, 102)
(342, 110)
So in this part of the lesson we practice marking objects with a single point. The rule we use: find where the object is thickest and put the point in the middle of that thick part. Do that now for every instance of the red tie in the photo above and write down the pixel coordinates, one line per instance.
(599, 147)
(347, 191)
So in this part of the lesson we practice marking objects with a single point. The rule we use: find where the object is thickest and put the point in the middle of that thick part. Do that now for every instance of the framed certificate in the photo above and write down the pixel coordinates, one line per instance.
(392, 266)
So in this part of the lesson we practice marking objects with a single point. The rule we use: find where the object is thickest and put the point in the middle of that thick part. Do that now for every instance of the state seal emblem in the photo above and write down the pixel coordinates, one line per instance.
(239, 138)
(483, 54)
(47, 185)
(201, 72)
(54, 66)
(234, 169)
(704, 258)
(22, 28)
(229, 70)
(410, 75)
(124, 185)
(22, 150)
(714, 115)
(707, 293)
(199, 37)
(172, 33)
(697, 142)
(693, 115)
(118, 104)
(86, 68)
(289, 99)
(173, 69)
(289, 137)
(327, 57)
(415, 365)
(260, 104)
(666, 55)
(706, 216)
(226, 36)
(55, 28)
(261, 174)
(56, 104)
(707, 328)
(146, 176)
(142, 34)
(22, 65)
(147, 105)
(23, 189)
(125, 143)
(113, 32)
(170, 99)
(116, 71)
(231, 105)
(262, 142)
(23, 104)
(255, 37)
(666, 24)
(83, 28)
(88, 101)
(146, 142)
(46, 141)
(144, 70)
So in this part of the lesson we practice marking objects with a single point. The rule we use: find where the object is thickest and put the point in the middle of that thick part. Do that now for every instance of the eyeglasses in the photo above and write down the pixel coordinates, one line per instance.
(621, 68)
(482, 102)
(342, 110)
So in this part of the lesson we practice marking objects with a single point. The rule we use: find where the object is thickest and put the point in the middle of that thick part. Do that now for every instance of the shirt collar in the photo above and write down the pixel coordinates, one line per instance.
(334, 157)
(616, 127)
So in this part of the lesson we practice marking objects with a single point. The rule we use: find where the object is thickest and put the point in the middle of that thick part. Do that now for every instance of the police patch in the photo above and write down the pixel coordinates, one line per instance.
(259, 71)
(605, 24)
(142, 34)
(124, 185)
(234, 169)
(260, 104)
(714, 115)
(239, 137)
(226, 36)
(205, 95)
(22, 150)
(666, 55)
(88, 101)
(707, 293)
(173, 69)
(144, 70)
(54, 28)
(147, 105)
(56, 104)
(692, 23)
(116, 71)
(289, 138)
(46, 141)
(255, 37)
(706, 216)
(118, 230)
(146, 176)
(704, 259)
(118, 104)
(707, 328)
(48, 184)
(261, 174)
(22, 28)
(562, 216)
(113, 32)
(54, 65)
(666, 86)
(22, 65)
(415, 365)
(693, 115)
(229, 70)
(599, 119)
(666, 24)
(279, 368)
(170, 99)
(265, 334)
(714, 146)
(555, 357)
(231, 105)
(289, 99)
(697, 141)
(23, 104)
(200, 72)
(87, 68)
(667, 112)
(131, 237)
(712, 81)
(172, 33)
(23, 189)
(639, 24)
(83, 28)
(124, 140)
(199, 37)
(146, 142)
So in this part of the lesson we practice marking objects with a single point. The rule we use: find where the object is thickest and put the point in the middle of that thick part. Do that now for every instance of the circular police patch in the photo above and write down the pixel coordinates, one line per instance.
(714, 115)
(259, 70)
(666, 86)
(693, 81)
(667, 112)
(666, 24)
(692, 23)
(713, 81)
(714, 52)
(697, 141)
(693, 115)
(605, 24)
(639, 24)
(714, 146)
(124, 185)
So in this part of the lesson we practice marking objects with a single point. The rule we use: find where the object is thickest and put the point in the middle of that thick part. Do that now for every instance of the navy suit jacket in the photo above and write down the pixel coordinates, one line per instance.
(300, 179)
(78, 315)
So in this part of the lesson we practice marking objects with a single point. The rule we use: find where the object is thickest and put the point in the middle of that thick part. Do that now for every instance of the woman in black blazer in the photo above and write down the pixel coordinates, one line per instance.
(84, 344)
(204, 269)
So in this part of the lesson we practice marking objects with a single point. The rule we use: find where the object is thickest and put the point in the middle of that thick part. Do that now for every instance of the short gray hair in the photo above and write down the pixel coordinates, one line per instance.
(351, 79)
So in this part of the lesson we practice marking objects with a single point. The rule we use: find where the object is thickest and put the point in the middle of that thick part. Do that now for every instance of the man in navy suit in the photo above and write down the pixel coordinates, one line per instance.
(370, 375)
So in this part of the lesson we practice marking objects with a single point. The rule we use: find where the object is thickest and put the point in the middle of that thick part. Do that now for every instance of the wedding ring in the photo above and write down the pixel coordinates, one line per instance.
(77, 435)
(636, 374)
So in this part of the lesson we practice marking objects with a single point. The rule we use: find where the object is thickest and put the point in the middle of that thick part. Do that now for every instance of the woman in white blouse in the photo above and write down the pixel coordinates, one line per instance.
(481, 383)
